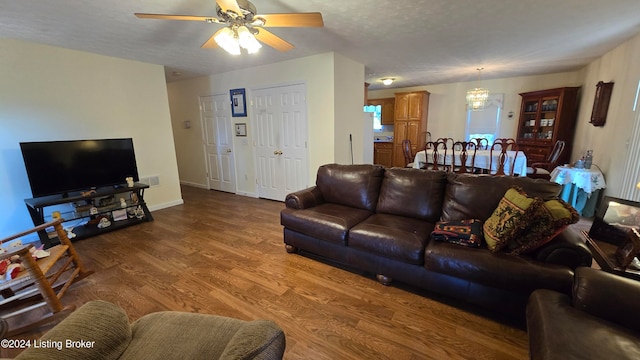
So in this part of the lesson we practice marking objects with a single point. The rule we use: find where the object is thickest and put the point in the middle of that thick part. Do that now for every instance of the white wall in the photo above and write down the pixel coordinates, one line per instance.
(610, 142)
(348, 117)
(50, 93)
(316, 72)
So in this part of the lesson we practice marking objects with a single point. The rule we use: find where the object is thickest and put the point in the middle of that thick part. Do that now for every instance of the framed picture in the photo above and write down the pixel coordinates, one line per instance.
(629, 248)
(614, 219)
(238, 103)
(241, 129)
(601, 103)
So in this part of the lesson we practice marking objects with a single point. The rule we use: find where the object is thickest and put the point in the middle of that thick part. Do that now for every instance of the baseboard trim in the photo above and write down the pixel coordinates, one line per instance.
(166, 205)
(188, 183)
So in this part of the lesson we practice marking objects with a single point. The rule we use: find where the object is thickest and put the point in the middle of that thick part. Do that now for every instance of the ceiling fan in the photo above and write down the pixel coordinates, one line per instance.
(244, 27)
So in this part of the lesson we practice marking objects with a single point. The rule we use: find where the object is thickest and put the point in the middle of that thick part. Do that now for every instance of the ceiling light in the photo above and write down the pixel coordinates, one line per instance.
(477, 97)
(387, 81)
(227, 39)
(247, 40)
(233, 38)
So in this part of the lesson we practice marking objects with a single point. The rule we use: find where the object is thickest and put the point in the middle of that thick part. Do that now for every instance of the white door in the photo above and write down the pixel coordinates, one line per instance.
(218, 142)
(280, 115)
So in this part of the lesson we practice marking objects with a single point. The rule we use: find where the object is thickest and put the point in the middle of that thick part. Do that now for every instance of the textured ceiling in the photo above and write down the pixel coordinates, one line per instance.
(418, 42)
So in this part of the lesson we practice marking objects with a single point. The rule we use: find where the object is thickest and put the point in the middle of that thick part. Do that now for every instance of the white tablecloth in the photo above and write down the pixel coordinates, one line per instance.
(482, 160)
(580, 187)
(588, 180)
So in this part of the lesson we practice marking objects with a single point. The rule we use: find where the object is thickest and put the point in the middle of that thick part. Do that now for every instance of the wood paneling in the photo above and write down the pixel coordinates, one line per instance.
(223, 254)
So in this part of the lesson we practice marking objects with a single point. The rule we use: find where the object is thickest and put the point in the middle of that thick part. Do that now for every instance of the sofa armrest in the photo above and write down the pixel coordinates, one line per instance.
(304, 199)
(568, 248)
(607, 296)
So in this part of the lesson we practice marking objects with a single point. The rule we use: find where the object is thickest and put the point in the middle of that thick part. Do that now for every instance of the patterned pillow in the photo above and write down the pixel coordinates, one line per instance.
(549, 221)
(512, 215)
(461, 232)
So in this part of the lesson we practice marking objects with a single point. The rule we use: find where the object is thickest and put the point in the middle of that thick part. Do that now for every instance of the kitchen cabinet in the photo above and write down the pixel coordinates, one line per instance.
(383, 153)
(387, 107)
(411, 112)
(547, 116)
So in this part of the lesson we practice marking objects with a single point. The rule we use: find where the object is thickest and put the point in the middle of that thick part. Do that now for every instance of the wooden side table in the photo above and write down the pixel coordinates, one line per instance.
(604, 254)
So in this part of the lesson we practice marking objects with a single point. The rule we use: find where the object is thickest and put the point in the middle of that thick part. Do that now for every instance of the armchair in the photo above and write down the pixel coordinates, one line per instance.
(542, 170)
(602, 321)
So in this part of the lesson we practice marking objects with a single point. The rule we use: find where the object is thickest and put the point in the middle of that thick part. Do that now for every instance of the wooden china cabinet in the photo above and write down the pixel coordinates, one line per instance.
(411, 110)
(547, 116)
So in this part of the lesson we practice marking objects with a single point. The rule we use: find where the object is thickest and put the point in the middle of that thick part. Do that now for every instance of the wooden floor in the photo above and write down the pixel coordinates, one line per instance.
(223, 254)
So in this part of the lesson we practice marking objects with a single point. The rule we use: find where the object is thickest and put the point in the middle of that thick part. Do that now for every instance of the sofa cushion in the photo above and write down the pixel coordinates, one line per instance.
(520, 274)
(550, 219)
(200, 336)
(476, 196)
(356, 186)
(103, 326)
(514, 212)
(391, 236)
(413, 193)
(329, 222)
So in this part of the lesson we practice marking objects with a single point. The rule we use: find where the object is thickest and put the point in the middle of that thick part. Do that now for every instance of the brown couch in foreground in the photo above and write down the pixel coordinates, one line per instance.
(101, 330)
(600, 321)
(379, 221)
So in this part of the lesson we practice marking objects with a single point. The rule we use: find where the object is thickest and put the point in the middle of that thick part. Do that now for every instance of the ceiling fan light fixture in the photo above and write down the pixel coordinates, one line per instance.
(227, 40)
(387, 81)
(247, 40)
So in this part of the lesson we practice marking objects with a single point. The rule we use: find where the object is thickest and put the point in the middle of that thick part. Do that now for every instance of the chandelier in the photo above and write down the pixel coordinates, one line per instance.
(477, 97)
(234, 37)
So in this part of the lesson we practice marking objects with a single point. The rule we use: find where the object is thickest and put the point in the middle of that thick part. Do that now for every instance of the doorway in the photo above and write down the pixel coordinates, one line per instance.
(280, 118)
(217, 140)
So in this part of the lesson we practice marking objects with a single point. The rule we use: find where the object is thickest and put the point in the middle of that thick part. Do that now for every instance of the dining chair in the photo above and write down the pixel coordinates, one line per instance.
(500, 147)
(463, 149)
(438, 150)
(481, 143)
(449, 142)
(542, 170)
(408, 154)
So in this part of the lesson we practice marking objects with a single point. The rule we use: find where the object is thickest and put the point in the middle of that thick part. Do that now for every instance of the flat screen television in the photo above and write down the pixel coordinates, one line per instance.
(60, 167)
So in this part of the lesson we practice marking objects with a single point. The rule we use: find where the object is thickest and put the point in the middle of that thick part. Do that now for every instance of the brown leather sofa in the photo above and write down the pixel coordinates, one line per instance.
(600, 321)
(379, 220)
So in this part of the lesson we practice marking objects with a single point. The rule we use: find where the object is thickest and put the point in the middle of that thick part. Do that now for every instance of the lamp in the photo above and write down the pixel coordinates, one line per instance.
(231, 39)
(387, 81)
(477, 97)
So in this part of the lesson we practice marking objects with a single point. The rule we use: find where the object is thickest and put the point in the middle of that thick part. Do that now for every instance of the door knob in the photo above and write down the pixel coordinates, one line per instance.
(277, 152)
(228, 150)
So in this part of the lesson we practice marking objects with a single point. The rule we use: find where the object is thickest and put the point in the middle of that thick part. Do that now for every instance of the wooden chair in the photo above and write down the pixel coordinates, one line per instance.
(438, 155)
(463, 149)
(408, 153)
(43, 282)
(501, 146)
(542, 170)
(481, 143)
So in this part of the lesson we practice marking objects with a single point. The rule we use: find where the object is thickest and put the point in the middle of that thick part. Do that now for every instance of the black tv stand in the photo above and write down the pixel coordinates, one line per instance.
(82, 210)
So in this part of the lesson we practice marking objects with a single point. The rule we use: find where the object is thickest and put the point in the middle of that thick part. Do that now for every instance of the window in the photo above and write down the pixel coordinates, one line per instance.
(377, 115)
(485, 123)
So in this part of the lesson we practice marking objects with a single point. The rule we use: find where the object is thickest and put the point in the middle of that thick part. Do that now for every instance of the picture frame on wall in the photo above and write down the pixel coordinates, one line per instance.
(241, 129)
(238, 103)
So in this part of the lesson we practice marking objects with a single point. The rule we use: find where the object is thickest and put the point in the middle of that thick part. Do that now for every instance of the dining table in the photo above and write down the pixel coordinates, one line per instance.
(482, 160)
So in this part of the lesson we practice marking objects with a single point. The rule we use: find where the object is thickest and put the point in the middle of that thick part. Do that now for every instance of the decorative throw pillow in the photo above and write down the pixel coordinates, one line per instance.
(549, 221)
(512, 215)
(461, 232)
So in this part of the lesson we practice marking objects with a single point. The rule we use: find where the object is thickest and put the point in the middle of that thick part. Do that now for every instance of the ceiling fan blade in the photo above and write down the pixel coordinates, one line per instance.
(273, 40)
(176, 17)
(312, 19)
(211, 43)
(229, 5)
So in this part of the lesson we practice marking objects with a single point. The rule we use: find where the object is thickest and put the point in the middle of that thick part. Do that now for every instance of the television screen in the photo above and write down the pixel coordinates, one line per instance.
(59, 167)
